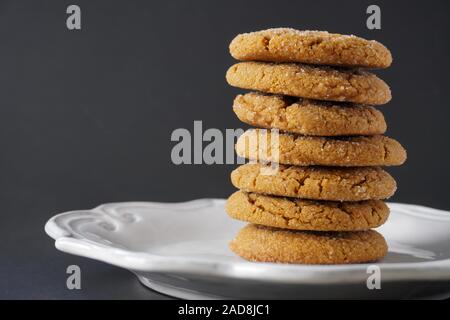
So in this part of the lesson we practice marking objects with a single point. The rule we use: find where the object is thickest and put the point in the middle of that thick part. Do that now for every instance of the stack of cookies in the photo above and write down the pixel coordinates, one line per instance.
(319, 204)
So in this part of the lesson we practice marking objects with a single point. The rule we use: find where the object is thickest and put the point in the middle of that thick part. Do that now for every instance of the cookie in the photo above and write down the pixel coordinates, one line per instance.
(308, 117)
(257, 144)
(313, 82)
(266, 244)
(316, 183)
(300, 214)
(315, 47)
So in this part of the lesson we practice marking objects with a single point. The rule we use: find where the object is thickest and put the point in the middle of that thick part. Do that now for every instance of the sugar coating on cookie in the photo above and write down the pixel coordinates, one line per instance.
(314, 47)
(300, 214)
(266, 244)
(316, 183)
(308, 117)
(313, 82)
(263, 145)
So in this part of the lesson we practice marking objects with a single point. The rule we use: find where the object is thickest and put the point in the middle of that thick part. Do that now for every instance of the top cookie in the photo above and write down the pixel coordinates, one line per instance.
(315, 47)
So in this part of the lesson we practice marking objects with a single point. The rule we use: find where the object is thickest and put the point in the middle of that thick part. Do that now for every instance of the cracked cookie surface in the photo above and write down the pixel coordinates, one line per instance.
(308, 117)
(266, 244)
(313, 82)
(263, 145)
(315, 47)
(316, 183)
(300, 214)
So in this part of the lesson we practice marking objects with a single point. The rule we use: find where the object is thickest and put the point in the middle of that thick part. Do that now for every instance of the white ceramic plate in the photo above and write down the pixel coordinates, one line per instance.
(181, 249)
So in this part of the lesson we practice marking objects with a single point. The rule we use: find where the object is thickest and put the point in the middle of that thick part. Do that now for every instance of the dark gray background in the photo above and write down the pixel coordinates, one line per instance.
(86, 116)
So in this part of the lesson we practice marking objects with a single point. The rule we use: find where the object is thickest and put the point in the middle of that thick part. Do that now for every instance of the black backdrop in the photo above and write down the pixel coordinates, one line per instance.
(86, 116)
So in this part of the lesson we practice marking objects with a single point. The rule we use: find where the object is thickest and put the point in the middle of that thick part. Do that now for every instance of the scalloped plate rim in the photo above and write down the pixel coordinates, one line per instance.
(267, 272)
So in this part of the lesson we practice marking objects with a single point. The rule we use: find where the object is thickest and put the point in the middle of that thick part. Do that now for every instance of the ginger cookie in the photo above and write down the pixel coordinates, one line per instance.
(263, 145)
(300, 214)
(315, 47)
(266, 244)
(313, 82)
(316, 183)
(308, 117)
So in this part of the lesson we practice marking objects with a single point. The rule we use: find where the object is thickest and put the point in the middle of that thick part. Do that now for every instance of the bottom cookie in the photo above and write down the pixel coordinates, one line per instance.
(266, 244)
